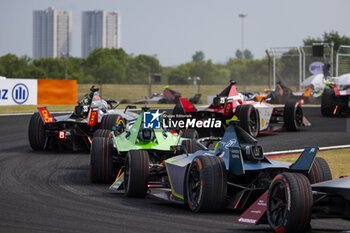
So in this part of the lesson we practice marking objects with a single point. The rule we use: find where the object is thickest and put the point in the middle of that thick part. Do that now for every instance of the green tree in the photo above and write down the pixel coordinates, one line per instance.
(329, 37)
(198, 56)
(139, 67)
(107, 65)
(247, 54)
(179, 75)
(239, 54)
(14, 67)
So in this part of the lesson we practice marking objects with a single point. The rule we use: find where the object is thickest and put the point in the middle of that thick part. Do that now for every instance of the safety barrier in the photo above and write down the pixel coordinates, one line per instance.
(38, 92)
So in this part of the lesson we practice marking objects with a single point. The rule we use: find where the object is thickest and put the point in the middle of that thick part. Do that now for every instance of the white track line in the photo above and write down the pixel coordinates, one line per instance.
(301, 150)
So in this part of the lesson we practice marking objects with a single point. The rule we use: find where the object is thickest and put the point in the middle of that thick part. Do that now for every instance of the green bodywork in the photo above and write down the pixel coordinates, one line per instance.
(129, 140)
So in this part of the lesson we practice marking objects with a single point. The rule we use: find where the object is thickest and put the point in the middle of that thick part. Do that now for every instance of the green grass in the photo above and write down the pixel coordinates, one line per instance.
(136, 92)
(337, 160)
(132, 93)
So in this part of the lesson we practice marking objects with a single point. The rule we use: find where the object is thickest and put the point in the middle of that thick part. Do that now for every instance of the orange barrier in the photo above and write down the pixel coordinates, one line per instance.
(57, 92)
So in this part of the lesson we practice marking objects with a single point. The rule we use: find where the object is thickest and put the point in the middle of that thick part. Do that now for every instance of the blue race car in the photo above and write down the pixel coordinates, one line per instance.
(232, 175)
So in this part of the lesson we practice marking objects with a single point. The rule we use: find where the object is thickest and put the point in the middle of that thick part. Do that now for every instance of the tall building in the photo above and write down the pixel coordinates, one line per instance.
(52, 33)
(100, 29)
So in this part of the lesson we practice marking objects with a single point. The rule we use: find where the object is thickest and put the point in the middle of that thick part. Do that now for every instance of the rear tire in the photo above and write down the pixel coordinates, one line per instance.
(206, 184)
(293, 116)
(136, 173)
(248, 119)
(36, 132)
(320, 171)
(289, 203)
(191, 146)
(101, 164)
(104, 133)
(113, 122)
(328, 102)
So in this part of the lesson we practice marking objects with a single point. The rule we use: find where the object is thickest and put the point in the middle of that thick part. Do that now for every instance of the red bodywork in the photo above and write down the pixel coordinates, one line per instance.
(233, 100)
(45, 115)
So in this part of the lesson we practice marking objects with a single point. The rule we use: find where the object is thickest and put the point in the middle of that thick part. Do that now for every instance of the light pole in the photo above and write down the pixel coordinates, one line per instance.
(242, 16)
(195, 84)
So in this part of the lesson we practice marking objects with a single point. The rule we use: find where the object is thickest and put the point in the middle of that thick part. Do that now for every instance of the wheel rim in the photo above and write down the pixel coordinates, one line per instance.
(299, 116)
(194, 184)
(253, 123)
(277, 204)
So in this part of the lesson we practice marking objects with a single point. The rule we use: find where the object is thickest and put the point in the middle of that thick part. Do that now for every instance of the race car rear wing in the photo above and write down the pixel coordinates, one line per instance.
(185, 106)
(306, 159)
(46, 115)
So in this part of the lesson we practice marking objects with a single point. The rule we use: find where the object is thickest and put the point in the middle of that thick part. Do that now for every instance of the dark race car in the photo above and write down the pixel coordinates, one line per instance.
(335, 100)
(291, 202)
(255, 117)
(283, 94)
(74, 131)
(169, 96)
(233, 175)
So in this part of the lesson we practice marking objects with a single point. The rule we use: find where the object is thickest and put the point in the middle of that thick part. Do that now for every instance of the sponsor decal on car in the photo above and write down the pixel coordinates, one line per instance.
(46, 116)
(93, 117)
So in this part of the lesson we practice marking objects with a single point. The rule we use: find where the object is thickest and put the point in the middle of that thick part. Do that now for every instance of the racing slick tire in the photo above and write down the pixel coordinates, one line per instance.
(319, 171)
(136, 173)
(248, 119)
(191, 146)
(101, 163)
(328, 102)
(113, 122)
(104, 133)
(293, 116)
(190, 133)
(36, 132)
(206, 184)
(289, 203)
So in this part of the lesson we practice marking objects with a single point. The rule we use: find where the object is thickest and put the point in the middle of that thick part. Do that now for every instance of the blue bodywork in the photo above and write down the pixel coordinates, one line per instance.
(229, 149)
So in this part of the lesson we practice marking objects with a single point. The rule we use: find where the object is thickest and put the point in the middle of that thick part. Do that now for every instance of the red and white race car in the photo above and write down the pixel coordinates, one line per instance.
(255, 117)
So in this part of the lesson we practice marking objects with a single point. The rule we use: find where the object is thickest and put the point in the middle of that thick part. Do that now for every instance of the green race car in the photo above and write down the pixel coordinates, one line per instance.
(117, 155)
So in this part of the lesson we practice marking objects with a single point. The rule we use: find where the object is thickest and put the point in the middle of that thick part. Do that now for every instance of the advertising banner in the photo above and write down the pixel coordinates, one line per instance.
(18, 91)
(57, 92)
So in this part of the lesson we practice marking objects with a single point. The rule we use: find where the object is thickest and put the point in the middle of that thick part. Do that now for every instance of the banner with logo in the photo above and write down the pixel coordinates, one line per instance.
(316, 67)
(18, 91)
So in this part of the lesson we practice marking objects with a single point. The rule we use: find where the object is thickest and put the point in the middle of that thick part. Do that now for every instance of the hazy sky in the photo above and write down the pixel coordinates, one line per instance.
(176, 29)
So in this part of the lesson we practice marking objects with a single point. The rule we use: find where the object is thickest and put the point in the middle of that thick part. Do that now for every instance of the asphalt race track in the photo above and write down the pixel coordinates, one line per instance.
(51, 192)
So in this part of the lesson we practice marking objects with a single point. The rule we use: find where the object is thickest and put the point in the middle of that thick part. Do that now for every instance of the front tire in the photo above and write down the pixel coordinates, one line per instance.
(136, 173)
(101, 164)
(36, 132)
(206, 184)
(248, 119)
(113, 122)
(293, 116)
(289, 203)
